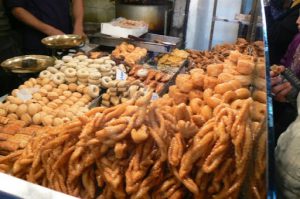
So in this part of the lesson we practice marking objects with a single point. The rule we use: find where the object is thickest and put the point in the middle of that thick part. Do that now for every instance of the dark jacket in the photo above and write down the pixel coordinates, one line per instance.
(281, 34)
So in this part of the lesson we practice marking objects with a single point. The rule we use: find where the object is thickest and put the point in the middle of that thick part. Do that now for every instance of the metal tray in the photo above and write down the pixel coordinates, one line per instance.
(63, 41)
(28, 63)
(152, 42)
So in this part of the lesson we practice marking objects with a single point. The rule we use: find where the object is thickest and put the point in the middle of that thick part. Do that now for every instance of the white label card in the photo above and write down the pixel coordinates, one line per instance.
(154, 97)
(120, 75)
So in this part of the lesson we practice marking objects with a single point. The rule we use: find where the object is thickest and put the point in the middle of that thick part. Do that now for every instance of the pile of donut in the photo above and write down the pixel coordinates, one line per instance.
(121, 91)
(42, 102)
(82, 70)
(151, 78)
(129, 53)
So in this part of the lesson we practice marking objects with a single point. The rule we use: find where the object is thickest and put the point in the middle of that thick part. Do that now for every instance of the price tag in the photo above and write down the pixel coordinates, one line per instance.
(120, 75)
(154, 97)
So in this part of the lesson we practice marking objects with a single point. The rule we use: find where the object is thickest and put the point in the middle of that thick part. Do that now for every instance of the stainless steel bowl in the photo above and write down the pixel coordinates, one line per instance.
(28, 63)
(63, 41)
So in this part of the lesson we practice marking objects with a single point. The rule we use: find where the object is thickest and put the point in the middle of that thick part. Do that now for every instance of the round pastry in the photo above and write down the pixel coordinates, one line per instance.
(242, 93)
(214, 70)
(34, 108)
(26, 118)
(94, 81)
(52, 70)
(178, 97)
(260, 96)
(225, 77)
(70, 72)
(58, 78)
(197, 78)
(52, 105)
(99, 61)
(260, 83)
(234, 56)
(261, 69)
(196, 105)
(97, 66)
(59, 62)
(82, 73)
(245, 67)
(69, 102)
(37, 119)
(227, 86)
(22, 109)
(95, 76)
(52, 95)
(45, 100)
(58, 91)
(64, 87)
(67, 93)
(67, 58)
(47, 120)
(45, 74)
(71, 79)
(48, 87)
(14, 100)
(3, 112)
(12, 116)
(106, 82)
(111, 62)
(33, 81)
(57, 122)
(80, 88)
(15, 92)
(209, 99)
(184, 83)
(115, 100)
(28, 84)
(105, 103)
(195, 94)
(57, 66)
(72, 87)
(105, 67)
(210, 82)
(81, 57)
(245, 80)
(71, 64)
(93, 91)
(258, 111)
(83, 80)
(12, 108)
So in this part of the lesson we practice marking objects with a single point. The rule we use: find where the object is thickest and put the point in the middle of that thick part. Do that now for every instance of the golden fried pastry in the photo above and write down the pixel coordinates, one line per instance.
(184, 83)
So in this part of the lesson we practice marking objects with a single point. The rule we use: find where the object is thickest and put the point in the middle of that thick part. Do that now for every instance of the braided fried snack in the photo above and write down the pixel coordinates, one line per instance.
(160, 149)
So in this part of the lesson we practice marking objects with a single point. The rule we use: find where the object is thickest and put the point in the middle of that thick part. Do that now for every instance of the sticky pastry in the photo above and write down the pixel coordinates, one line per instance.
(184, 83)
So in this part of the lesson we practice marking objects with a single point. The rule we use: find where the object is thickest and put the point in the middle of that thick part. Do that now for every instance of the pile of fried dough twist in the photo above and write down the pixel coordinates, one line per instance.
(160, 149)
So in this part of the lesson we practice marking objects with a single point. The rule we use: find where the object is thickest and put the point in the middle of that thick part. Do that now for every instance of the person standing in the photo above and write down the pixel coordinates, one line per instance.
(8, 48)
(41, 18)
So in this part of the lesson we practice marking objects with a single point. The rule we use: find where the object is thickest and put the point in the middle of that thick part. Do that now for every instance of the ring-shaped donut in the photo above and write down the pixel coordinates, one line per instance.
(46, 74)
(83, 73)
(70, 72)
(58, 78)
(93, 91)
(105, 82)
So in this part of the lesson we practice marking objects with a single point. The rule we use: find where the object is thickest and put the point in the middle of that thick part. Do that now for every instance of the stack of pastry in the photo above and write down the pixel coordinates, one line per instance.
(121, 91)
(82, 70)
(151, 78)
(129, 53)
(41, 101)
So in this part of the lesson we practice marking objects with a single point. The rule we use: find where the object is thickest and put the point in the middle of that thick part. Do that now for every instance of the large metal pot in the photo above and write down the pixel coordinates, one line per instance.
(155, 15)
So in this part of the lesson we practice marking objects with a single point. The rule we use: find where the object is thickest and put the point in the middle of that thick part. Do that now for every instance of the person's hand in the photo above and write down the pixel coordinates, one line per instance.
(280, 89)
(50, 30)
(78, 30)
